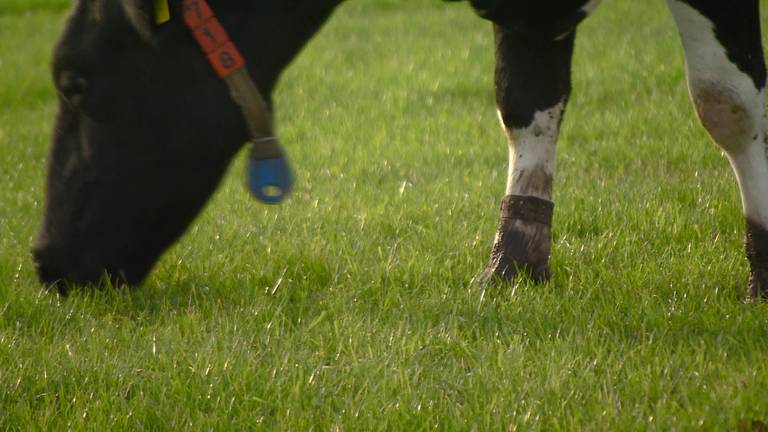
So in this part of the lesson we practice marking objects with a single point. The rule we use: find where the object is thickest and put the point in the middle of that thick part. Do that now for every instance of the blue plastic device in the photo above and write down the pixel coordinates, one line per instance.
(270, 180)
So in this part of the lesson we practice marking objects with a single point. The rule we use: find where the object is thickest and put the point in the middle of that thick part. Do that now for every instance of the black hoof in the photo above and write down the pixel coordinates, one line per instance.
(522, 241)
(496, 274)
(756, 246)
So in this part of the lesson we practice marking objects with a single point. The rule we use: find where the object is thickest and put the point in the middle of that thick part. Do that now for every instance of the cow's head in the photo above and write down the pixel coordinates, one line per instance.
(145, 129)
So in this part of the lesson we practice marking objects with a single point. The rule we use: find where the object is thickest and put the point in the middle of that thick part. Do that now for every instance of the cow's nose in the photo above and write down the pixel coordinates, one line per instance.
(61, 267)
(51, 266)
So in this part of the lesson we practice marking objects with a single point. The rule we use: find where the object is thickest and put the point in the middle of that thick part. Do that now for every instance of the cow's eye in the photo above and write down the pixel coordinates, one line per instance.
(72, 87)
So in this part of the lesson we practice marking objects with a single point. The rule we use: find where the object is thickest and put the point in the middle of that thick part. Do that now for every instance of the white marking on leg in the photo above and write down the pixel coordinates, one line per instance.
(729, 106)
(532, 154)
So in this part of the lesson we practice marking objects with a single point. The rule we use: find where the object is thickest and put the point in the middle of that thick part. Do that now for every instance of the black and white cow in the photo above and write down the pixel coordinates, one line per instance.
(726, 76)
(145, 130)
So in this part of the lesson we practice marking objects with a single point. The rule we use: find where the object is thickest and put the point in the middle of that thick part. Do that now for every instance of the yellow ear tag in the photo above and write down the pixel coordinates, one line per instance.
(162, 14)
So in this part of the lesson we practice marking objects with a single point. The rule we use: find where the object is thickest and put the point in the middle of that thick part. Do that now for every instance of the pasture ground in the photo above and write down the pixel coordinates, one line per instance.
(352, 306)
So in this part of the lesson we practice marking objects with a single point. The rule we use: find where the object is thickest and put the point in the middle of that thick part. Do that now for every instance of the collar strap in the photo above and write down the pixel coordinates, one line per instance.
(229, 65)
(212, 38)
(270, 178)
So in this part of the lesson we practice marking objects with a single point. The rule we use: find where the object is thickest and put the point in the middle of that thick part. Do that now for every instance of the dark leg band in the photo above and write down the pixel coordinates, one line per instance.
(527, 208)
(756, 246)
(522, 241)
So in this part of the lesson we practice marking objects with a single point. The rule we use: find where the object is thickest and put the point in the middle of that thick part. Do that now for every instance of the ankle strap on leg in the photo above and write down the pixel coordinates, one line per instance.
(527, 208)
(756, 246)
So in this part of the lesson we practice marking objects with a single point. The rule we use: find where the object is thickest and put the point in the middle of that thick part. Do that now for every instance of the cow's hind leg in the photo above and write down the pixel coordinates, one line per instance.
(533, 82)
(726, 78)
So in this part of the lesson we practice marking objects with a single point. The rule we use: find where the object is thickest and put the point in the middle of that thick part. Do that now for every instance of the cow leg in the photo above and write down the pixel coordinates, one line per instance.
(533, 82)
(726, 79)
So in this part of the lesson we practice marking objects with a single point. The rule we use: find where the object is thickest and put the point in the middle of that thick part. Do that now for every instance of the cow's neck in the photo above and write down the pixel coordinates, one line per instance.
(270, 48)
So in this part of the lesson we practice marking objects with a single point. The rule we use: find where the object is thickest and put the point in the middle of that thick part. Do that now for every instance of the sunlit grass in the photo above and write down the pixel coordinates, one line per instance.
(352, 306)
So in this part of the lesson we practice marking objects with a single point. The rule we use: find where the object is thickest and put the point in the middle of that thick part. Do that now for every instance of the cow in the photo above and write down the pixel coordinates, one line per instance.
(145, 129)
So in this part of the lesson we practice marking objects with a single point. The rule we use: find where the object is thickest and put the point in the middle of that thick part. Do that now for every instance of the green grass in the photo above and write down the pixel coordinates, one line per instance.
(352, 306)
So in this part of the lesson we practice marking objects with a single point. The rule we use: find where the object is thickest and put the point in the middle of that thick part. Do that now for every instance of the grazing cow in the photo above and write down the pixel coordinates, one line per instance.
(145, 129)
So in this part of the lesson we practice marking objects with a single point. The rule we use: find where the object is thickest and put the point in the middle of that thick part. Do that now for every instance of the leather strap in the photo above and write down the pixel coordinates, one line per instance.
(527, 208)
(229, 65)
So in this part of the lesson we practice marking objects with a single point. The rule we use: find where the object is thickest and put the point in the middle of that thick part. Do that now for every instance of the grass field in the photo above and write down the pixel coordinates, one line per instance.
(352, 306)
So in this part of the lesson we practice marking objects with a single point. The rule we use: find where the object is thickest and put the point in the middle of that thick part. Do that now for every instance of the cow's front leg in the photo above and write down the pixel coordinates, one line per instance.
(726, 78)
(533, 82)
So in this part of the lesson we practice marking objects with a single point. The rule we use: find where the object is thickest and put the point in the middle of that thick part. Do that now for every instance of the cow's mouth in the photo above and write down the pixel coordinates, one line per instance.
(61, 269)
